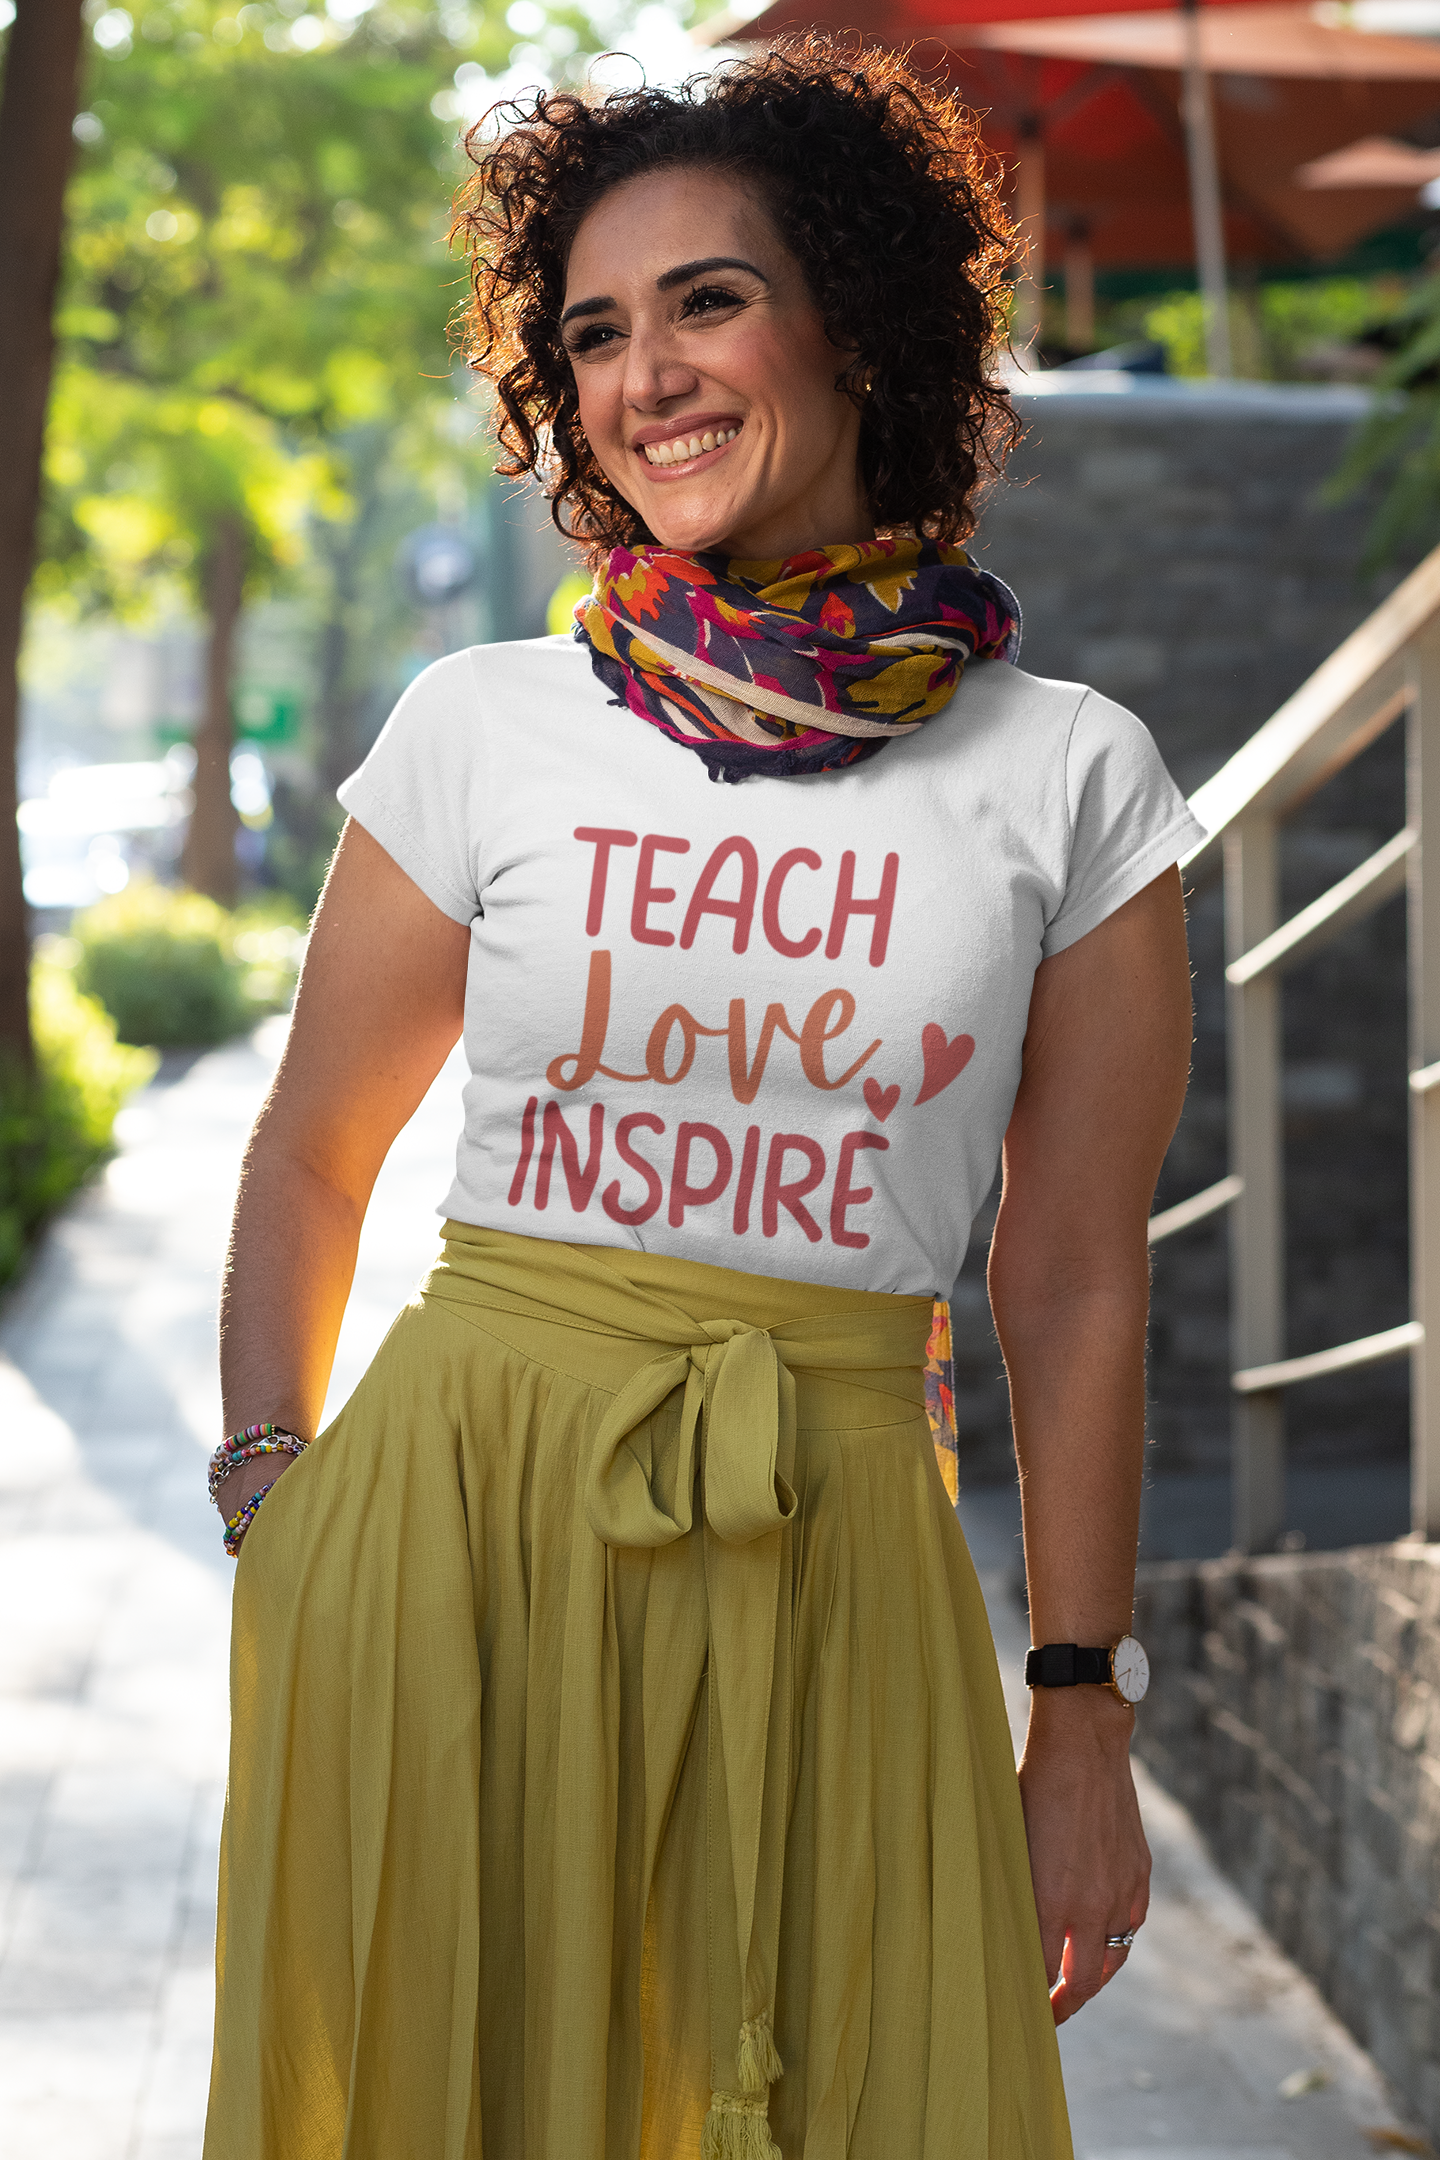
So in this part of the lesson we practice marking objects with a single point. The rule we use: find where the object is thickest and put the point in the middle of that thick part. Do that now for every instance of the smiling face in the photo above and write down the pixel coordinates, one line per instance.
(705, 378)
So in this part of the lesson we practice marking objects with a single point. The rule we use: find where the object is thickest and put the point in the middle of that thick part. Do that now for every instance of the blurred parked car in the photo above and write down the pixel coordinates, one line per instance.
(97, 826)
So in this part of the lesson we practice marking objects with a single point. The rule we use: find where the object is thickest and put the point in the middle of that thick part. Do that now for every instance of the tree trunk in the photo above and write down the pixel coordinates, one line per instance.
(339, 704)
(37, 107)
(208, 861)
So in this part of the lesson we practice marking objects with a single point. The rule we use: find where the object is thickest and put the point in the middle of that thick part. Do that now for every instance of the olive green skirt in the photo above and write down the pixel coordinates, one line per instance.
(619, 1767)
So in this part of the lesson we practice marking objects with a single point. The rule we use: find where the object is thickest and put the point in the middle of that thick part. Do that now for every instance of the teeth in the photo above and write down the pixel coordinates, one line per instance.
(683, 447)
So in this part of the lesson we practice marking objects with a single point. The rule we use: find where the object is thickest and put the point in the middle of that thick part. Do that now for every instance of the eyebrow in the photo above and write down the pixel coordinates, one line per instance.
(680, 275)
(685, 271)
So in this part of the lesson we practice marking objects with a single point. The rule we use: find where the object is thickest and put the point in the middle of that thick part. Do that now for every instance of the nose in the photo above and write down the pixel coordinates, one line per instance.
(654, 372)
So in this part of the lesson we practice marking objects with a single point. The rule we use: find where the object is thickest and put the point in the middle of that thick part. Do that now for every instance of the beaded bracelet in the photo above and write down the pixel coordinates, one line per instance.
(239, 1523)
(224, 1461)
(242, 1447)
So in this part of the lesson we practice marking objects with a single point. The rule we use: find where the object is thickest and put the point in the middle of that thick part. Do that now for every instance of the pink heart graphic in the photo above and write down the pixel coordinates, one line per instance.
(881, 1100)
(944, 1060)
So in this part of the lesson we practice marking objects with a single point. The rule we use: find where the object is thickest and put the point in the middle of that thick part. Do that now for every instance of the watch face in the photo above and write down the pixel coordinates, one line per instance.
(1130, 1669)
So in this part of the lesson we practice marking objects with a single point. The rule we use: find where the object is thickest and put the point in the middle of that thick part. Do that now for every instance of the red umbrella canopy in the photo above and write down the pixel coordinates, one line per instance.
(892, 22)
(1103, 92)
(1115, 154)
(1287, 90)
(896, 21)
(1115, 166)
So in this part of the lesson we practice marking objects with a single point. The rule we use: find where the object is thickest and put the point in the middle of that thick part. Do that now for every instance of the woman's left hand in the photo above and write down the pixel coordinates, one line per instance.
(1088, 1855)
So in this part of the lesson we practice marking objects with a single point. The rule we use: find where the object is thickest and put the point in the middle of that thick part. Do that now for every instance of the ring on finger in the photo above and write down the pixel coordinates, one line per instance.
(1121, 1942)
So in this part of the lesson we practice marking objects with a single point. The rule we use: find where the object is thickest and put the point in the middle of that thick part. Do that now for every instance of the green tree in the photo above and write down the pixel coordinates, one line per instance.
(160, 487)
(36, 106)
(256, 301)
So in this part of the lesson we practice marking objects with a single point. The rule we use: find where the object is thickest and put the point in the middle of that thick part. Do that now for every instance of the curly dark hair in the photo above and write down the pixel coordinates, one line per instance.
(878, 183)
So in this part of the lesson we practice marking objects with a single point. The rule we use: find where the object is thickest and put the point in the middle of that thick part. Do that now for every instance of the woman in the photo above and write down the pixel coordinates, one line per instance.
(619, 1761)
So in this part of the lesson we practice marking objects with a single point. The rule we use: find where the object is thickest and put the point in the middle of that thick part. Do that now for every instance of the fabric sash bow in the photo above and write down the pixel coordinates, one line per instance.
(736, 1451)
(739, 1403)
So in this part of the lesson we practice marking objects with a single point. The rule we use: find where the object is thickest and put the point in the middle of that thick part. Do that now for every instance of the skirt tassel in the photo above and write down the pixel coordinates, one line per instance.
(737, 2127)
(759, 2064)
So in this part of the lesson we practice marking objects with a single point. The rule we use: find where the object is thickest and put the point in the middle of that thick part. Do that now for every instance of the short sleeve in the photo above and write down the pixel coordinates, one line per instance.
(420, 791)
(1128, 820)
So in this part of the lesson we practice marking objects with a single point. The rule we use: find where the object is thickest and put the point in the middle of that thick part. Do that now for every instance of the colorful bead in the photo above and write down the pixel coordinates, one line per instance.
(239, 1523)
(242, 1447)
(224, 1461)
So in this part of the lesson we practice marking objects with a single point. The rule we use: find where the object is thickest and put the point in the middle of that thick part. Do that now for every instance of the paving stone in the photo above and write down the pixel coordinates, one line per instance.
(68, 2085)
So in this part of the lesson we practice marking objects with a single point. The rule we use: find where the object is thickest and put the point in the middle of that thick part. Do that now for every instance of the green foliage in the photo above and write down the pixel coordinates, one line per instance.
(256, 267)
(269, 942)
(302, 844)
(253, 323)
(560, 610)
(1398, 446)
(172, 968)
(264, 223)
(1280, 331)
(56, 1124)
(1178, 323)
(1275, 327)
(1299, 317)
(139, 478)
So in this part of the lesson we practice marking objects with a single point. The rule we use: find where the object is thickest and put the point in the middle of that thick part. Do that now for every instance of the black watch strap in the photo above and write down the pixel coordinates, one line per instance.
(1065, 1664)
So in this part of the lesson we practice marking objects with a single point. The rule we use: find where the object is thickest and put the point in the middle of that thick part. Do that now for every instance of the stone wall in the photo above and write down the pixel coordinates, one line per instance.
(1168, 545)
(1295, 1712)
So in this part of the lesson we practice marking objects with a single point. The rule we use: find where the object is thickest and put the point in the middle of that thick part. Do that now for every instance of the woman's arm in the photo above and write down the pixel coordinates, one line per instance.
(380, 1005)
(1107, 1054)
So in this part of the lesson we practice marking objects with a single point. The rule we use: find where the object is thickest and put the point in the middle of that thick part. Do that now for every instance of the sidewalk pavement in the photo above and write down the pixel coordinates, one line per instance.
(114, 1603)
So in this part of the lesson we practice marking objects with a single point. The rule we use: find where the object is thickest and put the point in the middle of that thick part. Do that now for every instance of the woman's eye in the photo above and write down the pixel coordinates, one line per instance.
(709, 300)
(592, 339)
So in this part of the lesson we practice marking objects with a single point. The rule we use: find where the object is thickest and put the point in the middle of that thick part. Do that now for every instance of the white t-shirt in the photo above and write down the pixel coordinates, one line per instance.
(774, 1026)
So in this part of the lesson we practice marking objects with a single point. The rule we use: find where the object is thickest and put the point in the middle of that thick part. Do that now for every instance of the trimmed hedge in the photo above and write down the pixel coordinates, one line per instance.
(151, 967)
(174, 969)
(57, 1123)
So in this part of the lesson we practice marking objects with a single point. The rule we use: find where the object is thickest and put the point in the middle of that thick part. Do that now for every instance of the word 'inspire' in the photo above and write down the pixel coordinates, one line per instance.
(701, 1170)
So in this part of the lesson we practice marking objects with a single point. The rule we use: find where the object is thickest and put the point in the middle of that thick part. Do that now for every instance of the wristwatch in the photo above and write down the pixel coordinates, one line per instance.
(1125, 1669)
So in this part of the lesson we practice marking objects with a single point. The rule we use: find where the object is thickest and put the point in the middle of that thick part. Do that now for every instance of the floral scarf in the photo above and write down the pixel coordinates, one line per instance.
(796, 666)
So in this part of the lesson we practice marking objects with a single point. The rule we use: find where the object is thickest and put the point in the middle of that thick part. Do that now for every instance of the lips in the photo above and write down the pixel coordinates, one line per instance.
(683, 448)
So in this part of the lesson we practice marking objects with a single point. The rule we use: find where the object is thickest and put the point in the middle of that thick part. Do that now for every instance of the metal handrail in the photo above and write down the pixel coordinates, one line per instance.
(1388, 668)
(1355, 897)
(1394, 1342)
(1198, 1208)
(1349, 700)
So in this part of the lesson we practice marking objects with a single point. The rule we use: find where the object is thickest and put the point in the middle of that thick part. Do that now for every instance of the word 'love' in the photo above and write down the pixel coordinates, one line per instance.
(829, 1016)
